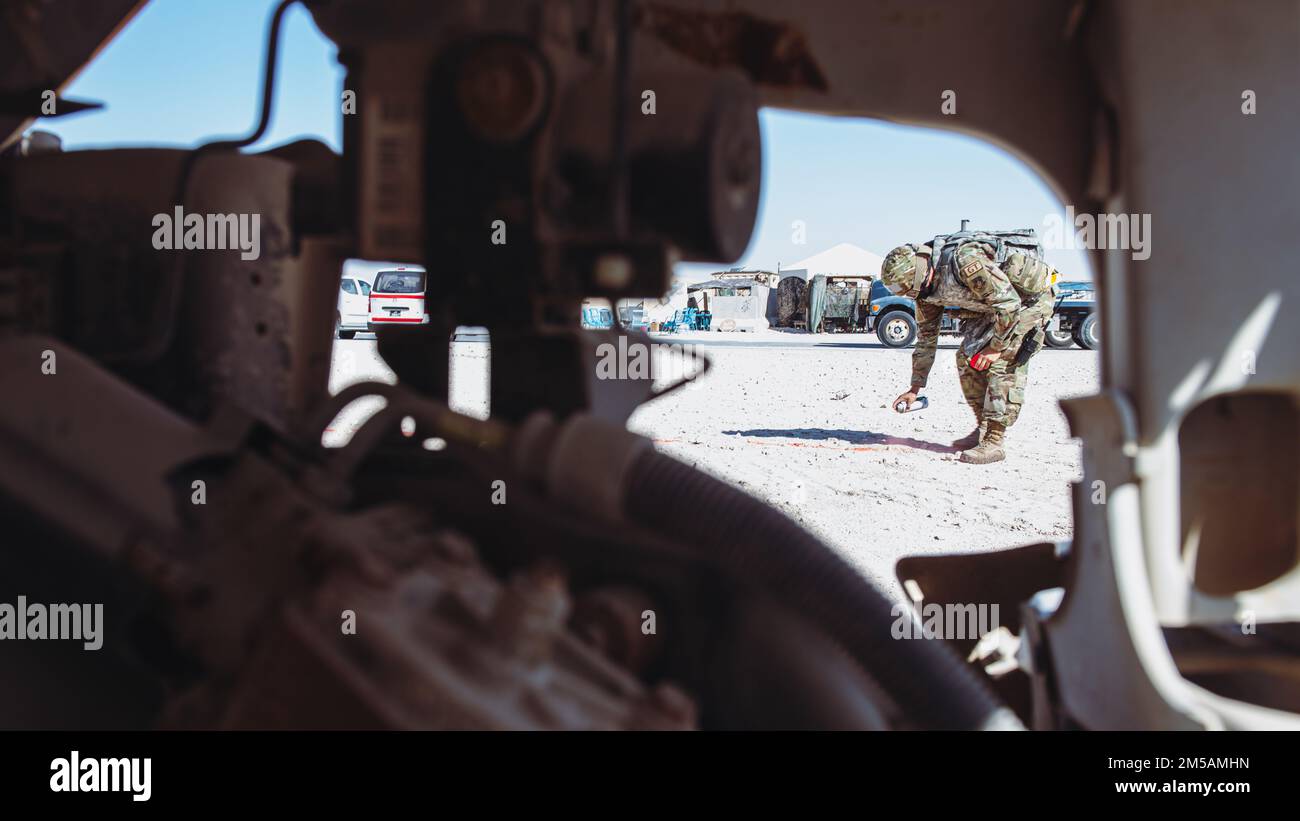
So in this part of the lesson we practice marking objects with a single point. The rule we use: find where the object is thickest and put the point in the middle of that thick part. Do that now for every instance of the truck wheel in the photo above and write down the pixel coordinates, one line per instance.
(1059, 339)
(896, 329)
(1086, 333)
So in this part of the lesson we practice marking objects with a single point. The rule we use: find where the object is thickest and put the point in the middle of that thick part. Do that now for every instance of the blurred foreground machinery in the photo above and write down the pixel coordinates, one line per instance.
(161, 410)
(164, 406)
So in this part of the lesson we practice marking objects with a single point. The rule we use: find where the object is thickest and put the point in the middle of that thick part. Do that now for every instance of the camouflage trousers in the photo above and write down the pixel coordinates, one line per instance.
(995, 394)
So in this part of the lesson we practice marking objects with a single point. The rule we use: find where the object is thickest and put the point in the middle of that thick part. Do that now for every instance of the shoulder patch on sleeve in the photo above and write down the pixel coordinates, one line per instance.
(972, 267)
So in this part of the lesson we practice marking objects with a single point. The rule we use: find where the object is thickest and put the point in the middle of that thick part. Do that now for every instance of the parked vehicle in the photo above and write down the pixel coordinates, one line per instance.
(397, 298)
(353, 310)
(1075, 319)
(893, 318)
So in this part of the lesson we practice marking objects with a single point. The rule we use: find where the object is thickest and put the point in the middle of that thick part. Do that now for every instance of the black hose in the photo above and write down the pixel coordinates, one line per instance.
(931, 683)
(264, 108)
(165, 326)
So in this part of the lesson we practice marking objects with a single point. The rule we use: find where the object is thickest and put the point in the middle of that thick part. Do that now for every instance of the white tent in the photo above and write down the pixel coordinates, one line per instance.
(845, 259)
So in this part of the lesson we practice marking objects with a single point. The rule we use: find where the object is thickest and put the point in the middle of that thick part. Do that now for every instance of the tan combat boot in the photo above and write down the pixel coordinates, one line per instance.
(989, 448)
(971, 439)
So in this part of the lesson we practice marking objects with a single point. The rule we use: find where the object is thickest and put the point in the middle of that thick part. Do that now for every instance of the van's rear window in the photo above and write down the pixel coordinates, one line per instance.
(400, 282)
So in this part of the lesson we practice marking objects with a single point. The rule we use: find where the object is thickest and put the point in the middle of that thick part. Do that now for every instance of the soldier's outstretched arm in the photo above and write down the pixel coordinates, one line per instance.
(987, 281)
(928, 319)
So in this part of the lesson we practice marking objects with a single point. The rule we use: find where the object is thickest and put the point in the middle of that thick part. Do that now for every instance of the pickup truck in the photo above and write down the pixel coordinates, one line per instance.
(893, 318)
(1075, 319)
(1074, 322)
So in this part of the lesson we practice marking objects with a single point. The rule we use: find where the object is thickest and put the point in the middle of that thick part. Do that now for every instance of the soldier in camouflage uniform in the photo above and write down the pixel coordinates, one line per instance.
(999, 307)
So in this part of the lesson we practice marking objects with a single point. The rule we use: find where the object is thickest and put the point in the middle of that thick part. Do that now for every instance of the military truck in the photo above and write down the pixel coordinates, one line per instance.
(1075, 319)
(893, 318)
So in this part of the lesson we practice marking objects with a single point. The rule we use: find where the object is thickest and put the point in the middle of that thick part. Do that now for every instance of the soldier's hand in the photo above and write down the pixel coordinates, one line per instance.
(982, 360)
(906, 400)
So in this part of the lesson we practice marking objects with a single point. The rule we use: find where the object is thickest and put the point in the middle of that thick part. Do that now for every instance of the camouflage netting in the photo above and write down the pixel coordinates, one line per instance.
(834, 300)
(790, 301)
(841, 301)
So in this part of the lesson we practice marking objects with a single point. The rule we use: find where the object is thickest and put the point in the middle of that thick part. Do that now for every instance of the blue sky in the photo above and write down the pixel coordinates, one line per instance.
(879, 185)
(185, 71)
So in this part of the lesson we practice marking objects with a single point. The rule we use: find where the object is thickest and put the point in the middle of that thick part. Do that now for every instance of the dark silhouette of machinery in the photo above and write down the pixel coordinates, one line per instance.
(161, 410)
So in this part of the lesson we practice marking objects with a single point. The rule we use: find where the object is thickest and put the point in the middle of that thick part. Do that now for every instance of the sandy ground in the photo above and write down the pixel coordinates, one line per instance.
(804, 422)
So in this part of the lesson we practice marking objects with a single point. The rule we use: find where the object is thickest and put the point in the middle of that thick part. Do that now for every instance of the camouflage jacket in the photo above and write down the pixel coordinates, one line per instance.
(1020, 295)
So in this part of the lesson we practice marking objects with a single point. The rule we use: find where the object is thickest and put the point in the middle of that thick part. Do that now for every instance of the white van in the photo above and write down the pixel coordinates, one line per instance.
(397, 298)
(353, 311)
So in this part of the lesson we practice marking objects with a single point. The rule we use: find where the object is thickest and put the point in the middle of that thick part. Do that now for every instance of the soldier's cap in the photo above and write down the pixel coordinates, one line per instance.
(904, 268)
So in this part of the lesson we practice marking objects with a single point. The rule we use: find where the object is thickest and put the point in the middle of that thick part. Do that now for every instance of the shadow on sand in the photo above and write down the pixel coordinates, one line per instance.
(863, 438)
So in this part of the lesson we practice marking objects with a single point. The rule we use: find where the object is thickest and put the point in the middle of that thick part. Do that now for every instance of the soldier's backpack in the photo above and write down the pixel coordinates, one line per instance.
(1005, 243)
(947, 289)
(1033, 277)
